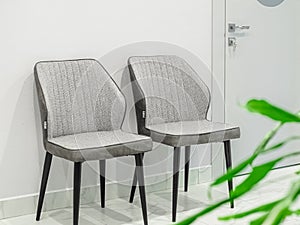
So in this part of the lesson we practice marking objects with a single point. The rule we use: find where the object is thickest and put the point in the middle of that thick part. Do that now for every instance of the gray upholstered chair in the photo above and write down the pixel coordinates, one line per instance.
(171, 104)
(82, 111)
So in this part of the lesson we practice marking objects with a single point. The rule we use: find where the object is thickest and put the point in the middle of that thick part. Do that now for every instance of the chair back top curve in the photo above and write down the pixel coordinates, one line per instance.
(77, 96)
(166, 89)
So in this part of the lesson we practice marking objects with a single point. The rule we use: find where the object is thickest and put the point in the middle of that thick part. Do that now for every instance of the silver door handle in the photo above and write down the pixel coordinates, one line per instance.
(243, 27)
(232, 27)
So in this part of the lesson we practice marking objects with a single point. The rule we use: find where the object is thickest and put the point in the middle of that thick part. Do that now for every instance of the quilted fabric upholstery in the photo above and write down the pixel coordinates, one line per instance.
(172, 89)
(84, 110)
(172, 101)
(186, 133)
(98, 145)
(80, 97)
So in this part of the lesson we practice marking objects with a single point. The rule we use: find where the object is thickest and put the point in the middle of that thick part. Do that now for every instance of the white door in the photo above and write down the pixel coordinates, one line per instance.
(265, 63)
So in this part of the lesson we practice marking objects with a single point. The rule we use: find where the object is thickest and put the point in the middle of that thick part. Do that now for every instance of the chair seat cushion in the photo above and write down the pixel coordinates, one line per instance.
(98, 145)
(186, 133)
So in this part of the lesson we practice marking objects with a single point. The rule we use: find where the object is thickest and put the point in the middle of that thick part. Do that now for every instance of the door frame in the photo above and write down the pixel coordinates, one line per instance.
(218, 79)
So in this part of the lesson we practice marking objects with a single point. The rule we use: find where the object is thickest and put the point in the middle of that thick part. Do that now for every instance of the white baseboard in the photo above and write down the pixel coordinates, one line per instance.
(24, 205)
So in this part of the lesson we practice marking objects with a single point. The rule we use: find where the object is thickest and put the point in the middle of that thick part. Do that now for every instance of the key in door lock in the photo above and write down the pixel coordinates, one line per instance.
(232, 42)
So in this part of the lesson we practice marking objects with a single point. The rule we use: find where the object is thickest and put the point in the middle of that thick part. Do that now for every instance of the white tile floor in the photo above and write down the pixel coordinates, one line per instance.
(159, 204)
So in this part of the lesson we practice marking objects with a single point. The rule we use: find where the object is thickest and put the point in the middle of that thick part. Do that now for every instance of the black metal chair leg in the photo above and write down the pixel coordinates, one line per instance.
(140, 177)
(187, 167)
(102, 165)
(133, 187)
(134, 183)
(227, 149)
(46, 170)
(176, 162)
(76, 193)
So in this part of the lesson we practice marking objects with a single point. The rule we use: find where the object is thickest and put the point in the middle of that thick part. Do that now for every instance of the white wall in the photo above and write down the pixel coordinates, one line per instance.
(35, 30)
(297, 8)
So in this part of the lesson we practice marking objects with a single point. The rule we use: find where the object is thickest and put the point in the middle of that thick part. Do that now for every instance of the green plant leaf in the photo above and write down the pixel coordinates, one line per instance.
(267, 138)
(296, 212)
(257, 174)
(234, 171)
(262, 220)
(281, 210)
(275, 212)
(282, 143)
(193, 218)
(271, 111)
(263, 208)
(277, 219)
(259, 221)
(260, 148)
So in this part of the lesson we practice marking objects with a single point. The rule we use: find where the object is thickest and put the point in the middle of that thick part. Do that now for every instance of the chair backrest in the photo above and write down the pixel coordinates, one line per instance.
(167, 89)
(78, 96)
